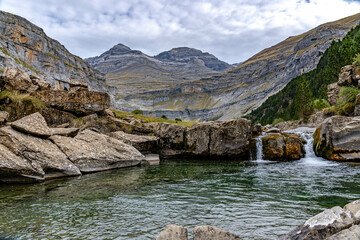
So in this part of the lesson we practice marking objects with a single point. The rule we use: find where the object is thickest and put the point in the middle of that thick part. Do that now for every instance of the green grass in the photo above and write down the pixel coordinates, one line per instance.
(18, 97)
(5, 51)
(123, 115)
(70, 65)
(51, 55)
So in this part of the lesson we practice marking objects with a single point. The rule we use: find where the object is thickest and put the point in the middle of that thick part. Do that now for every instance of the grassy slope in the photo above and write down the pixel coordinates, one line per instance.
(288, 104)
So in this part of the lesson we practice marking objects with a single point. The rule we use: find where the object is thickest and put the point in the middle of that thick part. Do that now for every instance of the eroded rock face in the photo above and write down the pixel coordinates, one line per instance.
(34, 124)
(15, 79)
(338, 138)
(173, 232)
(45, 157)
(91, 151)
(213, 233)
(280, 146)
(145, 144)
(336, 224)
(81, 102)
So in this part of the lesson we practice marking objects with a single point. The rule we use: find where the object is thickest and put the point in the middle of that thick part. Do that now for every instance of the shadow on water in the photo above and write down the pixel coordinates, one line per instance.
(256, 200)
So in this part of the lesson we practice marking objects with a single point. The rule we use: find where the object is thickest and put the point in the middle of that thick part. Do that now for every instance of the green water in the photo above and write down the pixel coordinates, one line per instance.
(254, 199)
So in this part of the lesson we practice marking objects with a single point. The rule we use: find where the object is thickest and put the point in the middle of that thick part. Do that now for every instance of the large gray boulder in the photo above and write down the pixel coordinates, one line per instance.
(213, 233)
(173, 232)
(34, 124)
(17, 169)
(91, 151)
(44, 156)
(145, 144)
(336, 224)
(338, 138)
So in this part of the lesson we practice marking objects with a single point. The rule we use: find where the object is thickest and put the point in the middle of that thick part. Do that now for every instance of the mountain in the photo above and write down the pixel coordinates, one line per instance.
(134, 72)
(238, 91)
(299, 97)
(26, 46)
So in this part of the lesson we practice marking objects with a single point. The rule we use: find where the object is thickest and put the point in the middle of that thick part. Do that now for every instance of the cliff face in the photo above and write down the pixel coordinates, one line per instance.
(247, 86)
(26, 46)
(134, 72)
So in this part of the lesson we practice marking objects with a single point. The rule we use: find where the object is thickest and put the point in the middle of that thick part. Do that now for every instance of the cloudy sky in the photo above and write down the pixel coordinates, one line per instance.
(232, 30)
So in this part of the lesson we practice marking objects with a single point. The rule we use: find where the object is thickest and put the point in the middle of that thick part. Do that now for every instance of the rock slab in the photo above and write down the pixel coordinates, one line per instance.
(173, 232)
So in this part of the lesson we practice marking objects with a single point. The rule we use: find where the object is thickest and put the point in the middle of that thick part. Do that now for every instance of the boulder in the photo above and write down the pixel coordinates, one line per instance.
(82, 102)
(345, 76)
(91, 151)
(15, 79)
(173, 232)
(4, 116)
(42, 154)
(273, 130)
(230, 138)
(40, 83)
(172, 136)
(213, 233)
(108, 112)
(198, 138)
(78, 83)
(338, 138)
(278, 146)
(336, 224)
(16, 169)
(34, 124)
(145, 144)
(257, 130)
(151, 159)
(333, 91)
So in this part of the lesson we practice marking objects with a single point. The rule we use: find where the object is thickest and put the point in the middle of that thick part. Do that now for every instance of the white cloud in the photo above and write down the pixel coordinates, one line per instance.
(232, 30)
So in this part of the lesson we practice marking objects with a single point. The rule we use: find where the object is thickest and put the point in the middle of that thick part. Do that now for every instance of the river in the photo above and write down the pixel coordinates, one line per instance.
(255, 199)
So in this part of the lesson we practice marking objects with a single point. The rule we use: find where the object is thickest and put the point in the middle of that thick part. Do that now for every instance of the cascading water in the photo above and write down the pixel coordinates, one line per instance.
(259, 148)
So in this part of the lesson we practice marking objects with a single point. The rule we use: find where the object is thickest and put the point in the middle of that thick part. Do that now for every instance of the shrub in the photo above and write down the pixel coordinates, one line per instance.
(277, 120)
(320, 104)
(164, 117)
(347, 95)
(178, 120)
(356, 59)
(330, 111)
(138, 111)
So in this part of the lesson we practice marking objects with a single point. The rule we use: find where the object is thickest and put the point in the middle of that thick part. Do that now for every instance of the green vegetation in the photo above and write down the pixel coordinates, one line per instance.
(25, 98)
(164, 117)
(70, 65)
(295, 101)
(178, 120)
(137, 111)
(5, 51)
(51, 55)
(320, 104)
(25, 65)
(123, 115)
(347, 98)
(276, 121)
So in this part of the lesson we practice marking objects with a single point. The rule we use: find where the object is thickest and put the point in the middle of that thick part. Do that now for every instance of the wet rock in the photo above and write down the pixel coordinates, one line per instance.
(42, 154)
(278, 146)
(336, 224)
(257, 130)
(4, 116)
(145, 144)
(213, 233)
(151, 159)
(338, 138)
(91, 151)
(173, 232)
(34, 124)
(82, 102)
(273, 130)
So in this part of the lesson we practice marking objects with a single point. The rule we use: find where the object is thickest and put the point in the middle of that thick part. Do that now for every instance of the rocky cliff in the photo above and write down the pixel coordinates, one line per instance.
(24, 45)
(134, 72)
(238, 91)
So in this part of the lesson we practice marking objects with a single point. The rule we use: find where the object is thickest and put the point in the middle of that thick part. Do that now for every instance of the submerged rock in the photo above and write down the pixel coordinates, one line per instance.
(213, 233)
(91, 151)
(173, 232)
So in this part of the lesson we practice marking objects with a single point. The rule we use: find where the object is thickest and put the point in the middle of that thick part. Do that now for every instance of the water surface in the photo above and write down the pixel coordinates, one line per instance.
(254, 199)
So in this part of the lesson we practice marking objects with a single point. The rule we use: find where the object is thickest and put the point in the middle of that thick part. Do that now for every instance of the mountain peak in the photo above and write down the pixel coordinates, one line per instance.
(119, 49)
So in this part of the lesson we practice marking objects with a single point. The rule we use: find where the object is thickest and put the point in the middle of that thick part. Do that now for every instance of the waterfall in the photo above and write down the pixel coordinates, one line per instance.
(307, 134)
(259, 148)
